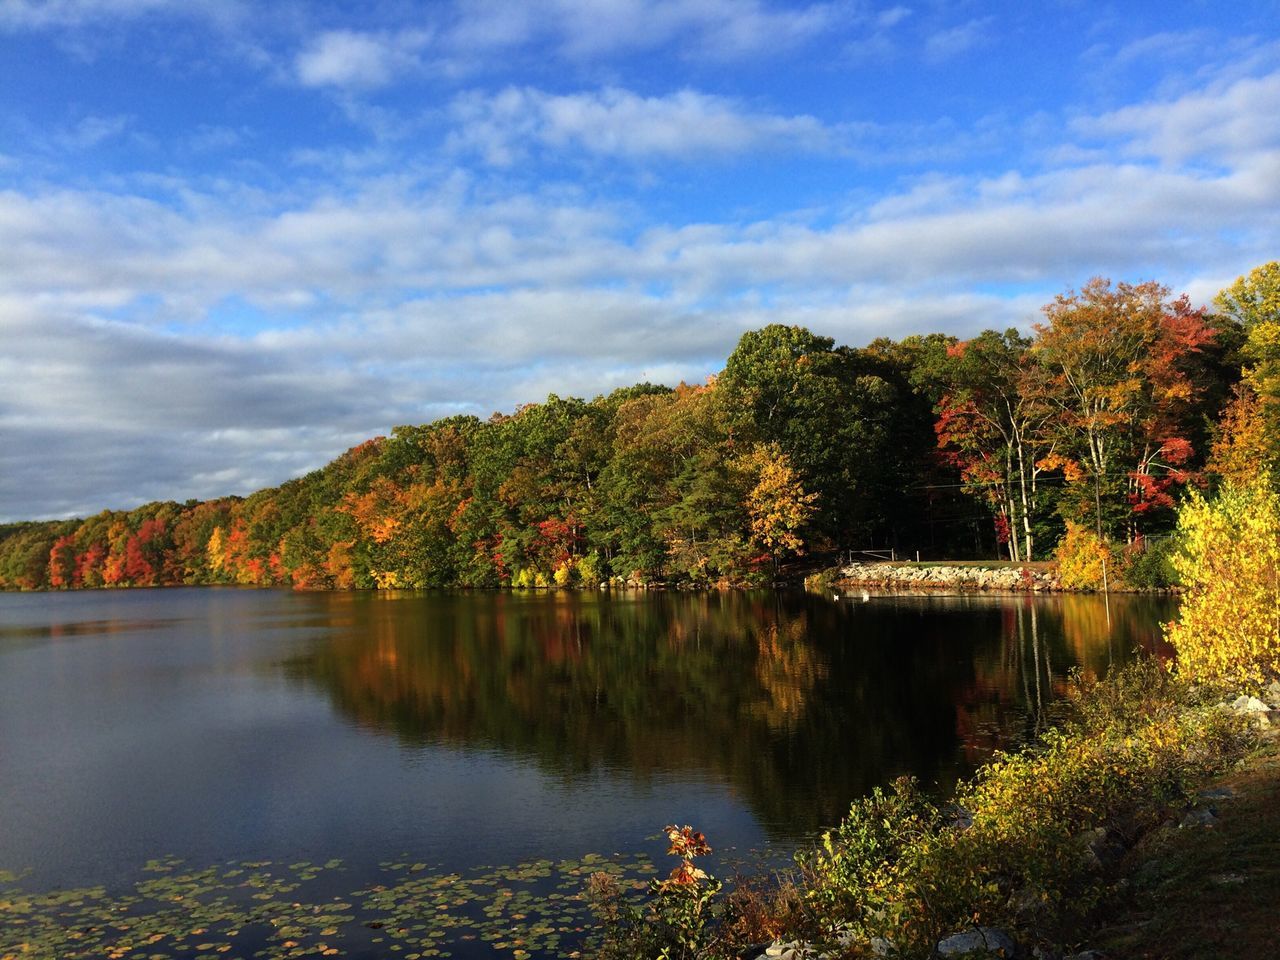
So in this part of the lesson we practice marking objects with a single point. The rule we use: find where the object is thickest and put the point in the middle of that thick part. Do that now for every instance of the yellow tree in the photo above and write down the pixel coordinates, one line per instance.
(1228, 626)
(1253, 298)
(1250, 428)
(1242, 448)
(777, 505)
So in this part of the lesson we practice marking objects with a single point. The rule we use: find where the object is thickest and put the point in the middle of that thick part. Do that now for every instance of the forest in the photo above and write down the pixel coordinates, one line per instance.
(799, 451)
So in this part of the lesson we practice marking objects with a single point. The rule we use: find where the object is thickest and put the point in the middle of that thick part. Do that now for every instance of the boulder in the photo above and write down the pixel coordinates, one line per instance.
(779, 950)
(1272, 694)
(1253, 708)
(979, 942)
(1101, 850)
(1201, 817)
(1246, 704)
(1216, 793)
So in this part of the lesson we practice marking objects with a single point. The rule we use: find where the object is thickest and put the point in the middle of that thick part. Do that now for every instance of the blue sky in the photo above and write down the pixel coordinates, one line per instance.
(237, 238)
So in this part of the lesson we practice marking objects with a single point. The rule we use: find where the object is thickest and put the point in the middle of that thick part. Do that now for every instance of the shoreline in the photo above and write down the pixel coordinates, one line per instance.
(906, 577)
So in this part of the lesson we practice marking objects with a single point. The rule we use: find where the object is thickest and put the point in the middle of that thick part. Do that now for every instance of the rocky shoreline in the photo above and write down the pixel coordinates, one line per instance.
(887, 575)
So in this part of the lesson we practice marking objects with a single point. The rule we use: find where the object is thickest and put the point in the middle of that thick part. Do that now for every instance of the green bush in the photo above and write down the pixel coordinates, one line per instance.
(1152, 568)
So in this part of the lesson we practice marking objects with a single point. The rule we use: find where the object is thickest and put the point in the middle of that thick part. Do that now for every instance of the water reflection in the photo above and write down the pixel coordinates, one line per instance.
(799, 702)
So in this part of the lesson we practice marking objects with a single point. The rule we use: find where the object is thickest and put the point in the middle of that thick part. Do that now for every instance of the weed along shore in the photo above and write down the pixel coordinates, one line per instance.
(1148, 789)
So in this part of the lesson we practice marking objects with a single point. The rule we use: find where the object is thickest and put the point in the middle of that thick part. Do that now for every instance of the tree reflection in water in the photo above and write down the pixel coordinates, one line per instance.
(801, 703)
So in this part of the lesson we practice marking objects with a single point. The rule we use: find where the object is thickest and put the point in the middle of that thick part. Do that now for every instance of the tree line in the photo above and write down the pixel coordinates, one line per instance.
(997, 445)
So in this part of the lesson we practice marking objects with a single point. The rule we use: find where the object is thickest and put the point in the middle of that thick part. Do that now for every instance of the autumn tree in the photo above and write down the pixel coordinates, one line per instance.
(62, 562)
(992, 421)
(1251, 425)
(778, 506)
(1120, 362)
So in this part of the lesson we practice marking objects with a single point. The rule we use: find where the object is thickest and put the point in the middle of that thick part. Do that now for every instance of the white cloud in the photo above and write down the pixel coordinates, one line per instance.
(355, 60)
(1221, 123)
(389, 295)
(91, 131)
(958, 40)
(587, 29)
(53, 14)
(619, 123)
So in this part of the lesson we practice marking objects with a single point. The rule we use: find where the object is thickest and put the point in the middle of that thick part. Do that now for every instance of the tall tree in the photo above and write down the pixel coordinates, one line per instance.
(1121, 362)
(991, 422)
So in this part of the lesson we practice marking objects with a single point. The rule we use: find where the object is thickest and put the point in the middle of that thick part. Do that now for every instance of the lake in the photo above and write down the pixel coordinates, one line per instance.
(435, 774)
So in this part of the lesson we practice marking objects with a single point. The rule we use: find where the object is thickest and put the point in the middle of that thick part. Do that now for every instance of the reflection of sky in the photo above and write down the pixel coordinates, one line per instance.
(133, 745)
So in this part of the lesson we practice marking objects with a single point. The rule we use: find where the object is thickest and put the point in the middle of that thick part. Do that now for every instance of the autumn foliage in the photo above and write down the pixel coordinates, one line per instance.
(1228, 626)
(998, 444)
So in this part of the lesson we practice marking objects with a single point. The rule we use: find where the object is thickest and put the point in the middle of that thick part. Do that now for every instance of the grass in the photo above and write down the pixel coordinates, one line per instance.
(1208, 892)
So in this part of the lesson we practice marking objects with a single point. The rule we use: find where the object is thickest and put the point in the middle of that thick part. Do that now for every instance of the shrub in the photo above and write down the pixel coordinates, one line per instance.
(1138, 693)
(590, 569)
(898, 869)
(1014, 851)
(1085, 561)
(852, 874)
(1151, 568)
(1228, 628)
(563, 575)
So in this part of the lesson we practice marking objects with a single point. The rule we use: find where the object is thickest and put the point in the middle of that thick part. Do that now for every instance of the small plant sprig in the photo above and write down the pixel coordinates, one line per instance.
(683, 899)
(678, 922)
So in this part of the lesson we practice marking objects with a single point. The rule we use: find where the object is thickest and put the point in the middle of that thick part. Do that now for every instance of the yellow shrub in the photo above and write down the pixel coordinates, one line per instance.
(1228, 628)
(1084, 560)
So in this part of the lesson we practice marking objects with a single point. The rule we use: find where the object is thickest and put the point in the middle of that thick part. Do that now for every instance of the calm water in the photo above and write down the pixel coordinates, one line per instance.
(217, 725)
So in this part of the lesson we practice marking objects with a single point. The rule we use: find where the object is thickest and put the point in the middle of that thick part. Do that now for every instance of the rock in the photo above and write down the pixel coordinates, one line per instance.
(784, 951)
(1272, 693)
(1216, 793)
(880, 947)
(1027, 904)
(1246, 704)
(1201, 817)
(1253, 708)
(1087, 955)
(1100, 850)
(958, 817)
(980, 941)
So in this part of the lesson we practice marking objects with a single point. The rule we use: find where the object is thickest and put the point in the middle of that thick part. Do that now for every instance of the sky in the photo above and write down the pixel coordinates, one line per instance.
(237, 238)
